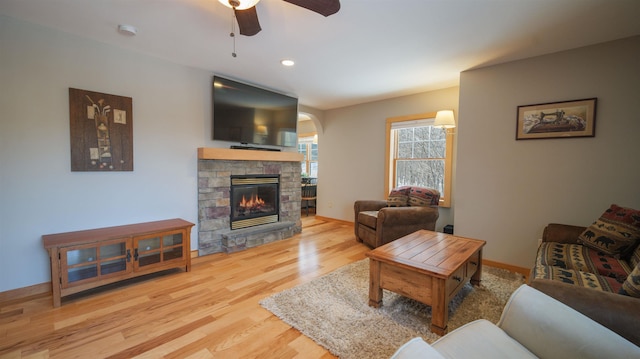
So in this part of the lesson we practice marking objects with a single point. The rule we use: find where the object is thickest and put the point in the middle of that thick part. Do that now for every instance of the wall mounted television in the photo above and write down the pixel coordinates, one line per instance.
(253, 116)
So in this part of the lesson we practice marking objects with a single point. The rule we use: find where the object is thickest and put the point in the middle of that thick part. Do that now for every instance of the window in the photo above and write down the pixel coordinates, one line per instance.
(309, 165)
(419, 155)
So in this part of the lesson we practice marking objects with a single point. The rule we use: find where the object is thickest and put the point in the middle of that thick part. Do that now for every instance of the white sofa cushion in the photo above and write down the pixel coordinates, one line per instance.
(480, 339)
(550, 329)
(416, 348)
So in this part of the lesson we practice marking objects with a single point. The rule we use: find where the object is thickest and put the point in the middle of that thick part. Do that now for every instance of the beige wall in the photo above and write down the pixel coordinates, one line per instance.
(351, 150)
(507, 190)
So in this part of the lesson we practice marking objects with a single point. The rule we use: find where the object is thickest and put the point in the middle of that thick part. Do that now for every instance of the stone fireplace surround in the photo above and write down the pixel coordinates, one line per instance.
(215, 168)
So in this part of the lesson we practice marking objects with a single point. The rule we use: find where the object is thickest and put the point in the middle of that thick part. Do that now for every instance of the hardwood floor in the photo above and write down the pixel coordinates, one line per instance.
(210, 312)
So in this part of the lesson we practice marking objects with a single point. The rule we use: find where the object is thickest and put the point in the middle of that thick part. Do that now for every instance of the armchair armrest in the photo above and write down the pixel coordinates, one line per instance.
(620, 313)
(365, 205)
(561, 233)
(368, 205)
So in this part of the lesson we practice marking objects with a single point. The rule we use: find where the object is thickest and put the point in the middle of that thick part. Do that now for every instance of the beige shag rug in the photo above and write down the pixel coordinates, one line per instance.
(333, 310)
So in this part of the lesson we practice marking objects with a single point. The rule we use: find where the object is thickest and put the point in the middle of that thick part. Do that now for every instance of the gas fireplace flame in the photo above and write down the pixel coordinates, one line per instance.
(253, 203)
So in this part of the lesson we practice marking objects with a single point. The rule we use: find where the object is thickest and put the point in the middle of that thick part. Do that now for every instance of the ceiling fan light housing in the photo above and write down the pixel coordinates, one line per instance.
(239, 4)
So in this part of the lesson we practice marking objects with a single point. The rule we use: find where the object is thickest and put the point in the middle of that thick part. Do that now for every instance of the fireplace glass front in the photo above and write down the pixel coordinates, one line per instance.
(254, 200)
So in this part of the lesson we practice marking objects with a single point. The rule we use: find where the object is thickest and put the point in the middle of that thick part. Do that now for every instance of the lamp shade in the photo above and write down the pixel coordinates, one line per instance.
(239, 4)
(444, 119)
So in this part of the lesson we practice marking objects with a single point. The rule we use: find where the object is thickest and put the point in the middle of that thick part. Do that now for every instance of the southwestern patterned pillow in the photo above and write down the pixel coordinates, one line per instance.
(635, 257)
(631, 286)
(616, 232)
(399, 197)
(424, 197)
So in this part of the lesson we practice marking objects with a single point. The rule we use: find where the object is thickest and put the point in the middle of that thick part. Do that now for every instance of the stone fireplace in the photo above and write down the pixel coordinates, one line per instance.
(246, 198)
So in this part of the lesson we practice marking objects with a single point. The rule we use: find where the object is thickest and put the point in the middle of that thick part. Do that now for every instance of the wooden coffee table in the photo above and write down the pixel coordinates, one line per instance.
(427, 266)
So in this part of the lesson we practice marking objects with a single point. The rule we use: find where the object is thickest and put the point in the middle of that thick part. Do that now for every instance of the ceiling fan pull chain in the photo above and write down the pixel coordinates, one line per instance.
(233, 30)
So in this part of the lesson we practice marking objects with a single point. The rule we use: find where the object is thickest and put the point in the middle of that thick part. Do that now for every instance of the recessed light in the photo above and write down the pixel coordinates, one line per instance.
(287, 62)
(127, 30)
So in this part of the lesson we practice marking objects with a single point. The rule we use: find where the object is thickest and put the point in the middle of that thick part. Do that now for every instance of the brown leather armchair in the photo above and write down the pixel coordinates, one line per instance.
(407, 210)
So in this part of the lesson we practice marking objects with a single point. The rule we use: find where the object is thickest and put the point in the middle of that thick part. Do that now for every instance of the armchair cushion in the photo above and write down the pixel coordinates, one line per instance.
(616, 232)
(368, 218)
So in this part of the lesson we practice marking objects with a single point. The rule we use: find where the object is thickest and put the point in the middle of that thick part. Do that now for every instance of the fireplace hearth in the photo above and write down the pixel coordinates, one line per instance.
(254, 200)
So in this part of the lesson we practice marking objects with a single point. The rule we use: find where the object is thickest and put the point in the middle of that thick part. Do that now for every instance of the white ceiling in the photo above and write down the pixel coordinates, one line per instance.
(369, 50)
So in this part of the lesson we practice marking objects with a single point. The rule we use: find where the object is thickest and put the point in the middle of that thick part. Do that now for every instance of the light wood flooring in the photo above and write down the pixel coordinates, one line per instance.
(210, 312)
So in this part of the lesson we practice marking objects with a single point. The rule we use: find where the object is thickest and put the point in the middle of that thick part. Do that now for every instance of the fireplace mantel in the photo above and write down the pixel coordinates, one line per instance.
(205, 153)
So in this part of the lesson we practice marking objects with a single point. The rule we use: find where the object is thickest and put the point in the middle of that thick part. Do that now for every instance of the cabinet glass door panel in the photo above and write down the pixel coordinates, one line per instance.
(172, 240)
(83, 255)
(148, 259)
(172, 253)
(155, 250)
(149, 244)
(113, 266)
(113, 250)
(83, 272)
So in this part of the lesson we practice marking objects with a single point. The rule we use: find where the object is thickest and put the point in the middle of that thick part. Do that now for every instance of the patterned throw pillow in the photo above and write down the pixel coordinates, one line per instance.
(399, 197)
(635, 257)
(616, 232)
(424, 197)
(631, 286)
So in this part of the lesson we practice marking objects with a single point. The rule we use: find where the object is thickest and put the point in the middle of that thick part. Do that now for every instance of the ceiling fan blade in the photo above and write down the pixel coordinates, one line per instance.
(248, 21)
(322, 7)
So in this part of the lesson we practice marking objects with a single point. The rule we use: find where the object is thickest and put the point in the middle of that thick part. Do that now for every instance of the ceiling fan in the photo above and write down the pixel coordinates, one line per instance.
(245, 11)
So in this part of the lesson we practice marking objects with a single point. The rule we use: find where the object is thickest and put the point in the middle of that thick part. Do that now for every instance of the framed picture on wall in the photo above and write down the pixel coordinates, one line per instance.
(576, 118)
(101, 131)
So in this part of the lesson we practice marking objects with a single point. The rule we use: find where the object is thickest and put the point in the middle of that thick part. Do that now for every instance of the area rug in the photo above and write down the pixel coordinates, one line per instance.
(333, 310)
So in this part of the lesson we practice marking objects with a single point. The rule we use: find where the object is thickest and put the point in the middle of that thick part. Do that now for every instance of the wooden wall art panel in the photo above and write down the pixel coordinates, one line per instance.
(101, 131)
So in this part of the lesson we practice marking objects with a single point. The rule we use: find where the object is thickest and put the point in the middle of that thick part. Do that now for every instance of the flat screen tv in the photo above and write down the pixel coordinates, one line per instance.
(253, 116)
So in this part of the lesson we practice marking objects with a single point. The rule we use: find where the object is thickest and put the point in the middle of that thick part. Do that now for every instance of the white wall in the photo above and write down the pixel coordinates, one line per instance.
(352, 150)
(506, 191)
(38, 192)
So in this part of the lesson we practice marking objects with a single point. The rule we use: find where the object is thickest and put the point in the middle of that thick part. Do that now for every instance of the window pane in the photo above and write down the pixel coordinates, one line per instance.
(421, 133)
(423, 173)
(405, 134)
(421, 149)
(302, 148)
(437, 133)
(437, 149)
(303, 167)
(314, 152)
(314, 169)
(405, 150)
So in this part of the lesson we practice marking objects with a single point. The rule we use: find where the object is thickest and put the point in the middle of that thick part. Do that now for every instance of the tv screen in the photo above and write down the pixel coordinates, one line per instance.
(251, 115)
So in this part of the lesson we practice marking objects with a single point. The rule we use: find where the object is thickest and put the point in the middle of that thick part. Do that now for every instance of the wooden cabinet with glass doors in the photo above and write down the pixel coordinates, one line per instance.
(87, 259)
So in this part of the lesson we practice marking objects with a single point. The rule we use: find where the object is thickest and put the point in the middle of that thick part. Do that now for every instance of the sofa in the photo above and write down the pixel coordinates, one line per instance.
(532, 325)
(406, 210)
(592, 271)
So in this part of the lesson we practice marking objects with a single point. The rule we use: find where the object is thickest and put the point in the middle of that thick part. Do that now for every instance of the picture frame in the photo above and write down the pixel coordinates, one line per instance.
(566, 119)
(101, 127)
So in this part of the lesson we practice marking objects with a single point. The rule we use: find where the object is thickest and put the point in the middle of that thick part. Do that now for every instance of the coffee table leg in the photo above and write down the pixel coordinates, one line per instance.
(375, 292)
(439, 307)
